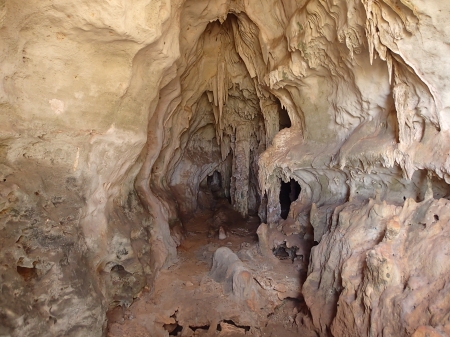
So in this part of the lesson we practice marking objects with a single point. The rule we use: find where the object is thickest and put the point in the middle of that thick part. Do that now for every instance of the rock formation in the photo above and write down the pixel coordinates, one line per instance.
(120, 120)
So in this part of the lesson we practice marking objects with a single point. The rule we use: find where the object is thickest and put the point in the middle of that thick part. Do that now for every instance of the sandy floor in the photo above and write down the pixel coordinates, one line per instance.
(186, 301)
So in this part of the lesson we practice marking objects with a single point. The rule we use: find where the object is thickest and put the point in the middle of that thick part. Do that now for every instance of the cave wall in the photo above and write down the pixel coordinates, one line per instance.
(80, 81)
(104, 105)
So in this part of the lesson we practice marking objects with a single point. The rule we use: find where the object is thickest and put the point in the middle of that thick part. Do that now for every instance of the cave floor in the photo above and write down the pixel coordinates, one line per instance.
(186, 301)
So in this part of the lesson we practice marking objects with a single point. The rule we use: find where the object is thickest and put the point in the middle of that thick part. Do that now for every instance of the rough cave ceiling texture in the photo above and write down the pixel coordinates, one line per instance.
(113, 114)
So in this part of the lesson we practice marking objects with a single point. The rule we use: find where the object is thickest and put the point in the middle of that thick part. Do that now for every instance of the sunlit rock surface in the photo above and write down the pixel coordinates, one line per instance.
(382, 270)
(121, 119)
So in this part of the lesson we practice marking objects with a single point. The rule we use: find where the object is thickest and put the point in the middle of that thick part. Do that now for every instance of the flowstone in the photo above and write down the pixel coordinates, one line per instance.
(115, 115)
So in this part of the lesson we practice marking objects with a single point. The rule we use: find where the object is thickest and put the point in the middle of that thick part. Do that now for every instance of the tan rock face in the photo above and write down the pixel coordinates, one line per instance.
(381, 271)
(120, 119)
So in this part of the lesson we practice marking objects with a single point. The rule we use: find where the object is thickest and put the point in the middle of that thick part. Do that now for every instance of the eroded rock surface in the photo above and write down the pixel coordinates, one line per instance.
(382, 270)
(121, 120)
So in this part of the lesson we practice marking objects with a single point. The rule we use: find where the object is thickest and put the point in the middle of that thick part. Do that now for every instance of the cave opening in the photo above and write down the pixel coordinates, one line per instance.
(229, 129)
(284, 119)
(123, 182)
(220, 202)
(289, 192)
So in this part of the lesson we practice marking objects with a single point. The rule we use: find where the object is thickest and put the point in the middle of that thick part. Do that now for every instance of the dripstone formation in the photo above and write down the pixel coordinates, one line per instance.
(312, 137)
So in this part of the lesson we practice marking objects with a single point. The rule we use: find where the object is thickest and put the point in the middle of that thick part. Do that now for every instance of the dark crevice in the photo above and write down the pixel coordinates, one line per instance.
(27, 274)
(118, 268)
(283, 253)
(289, 192)
(173, 329)
(284, 120)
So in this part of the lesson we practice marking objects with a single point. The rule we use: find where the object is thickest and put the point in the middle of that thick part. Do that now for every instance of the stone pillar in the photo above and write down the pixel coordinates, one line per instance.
(241, 169)
(270, 111)
(273, 203)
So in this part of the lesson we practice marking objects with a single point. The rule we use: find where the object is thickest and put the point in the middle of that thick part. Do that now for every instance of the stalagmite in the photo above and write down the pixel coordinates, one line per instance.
(197, 167)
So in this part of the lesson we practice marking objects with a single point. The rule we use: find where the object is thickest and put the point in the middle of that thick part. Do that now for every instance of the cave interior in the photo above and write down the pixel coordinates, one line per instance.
(225, 168)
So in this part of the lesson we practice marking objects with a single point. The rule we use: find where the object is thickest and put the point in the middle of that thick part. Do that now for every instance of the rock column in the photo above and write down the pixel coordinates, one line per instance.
(241, 169)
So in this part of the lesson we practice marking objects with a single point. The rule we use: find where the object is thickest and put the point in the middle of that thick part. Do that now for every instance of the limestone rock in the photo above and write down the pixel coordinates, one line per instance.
(236, 279)
(228, 330)
(119, 119)
(371, 265)
(222, 234)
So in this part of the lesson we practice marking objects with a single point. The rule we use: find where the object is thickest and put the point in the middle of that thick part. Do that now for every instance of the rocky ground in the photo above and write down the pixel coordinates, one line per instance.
(116, 116)
(198, 297)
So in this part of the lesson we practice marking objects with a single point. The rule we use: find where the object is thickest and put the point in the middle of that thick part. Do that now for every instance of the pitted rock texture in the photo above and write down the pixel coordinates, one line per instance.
(120, 120)
(382, 270)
